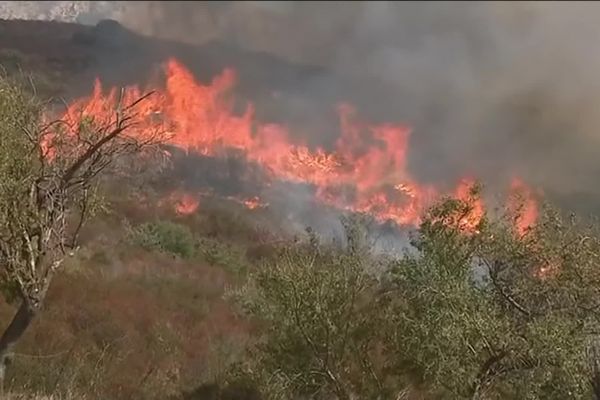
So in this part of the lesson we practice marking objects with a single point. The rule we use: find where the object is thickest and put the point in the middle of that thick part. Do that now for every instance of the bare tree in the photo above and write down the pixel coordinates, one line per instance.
(49, 173)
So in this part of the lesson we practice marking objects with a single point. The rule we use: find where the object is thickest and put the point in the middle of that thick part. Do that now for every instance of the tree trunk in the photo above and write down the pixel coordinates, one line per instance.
(11, 336)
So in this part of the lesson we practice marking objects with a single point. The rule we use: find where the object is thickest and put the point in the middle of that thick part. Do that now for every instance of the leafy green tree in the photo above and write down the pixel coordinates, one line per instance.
(322, 324)
(493, 314)
(48, 177)
(470, 312)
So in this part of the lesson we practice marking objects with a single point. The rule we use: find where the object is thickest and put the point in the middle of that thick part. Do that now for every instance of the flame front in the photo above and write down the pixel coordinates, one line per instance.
(183, 203)
(365, 172)
(523, 204)
(470, 221)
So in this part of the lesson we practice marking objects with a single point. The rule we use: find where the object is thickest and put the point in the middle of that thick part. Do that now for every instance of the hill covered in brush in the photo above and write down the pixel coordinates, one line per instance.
(177, 291)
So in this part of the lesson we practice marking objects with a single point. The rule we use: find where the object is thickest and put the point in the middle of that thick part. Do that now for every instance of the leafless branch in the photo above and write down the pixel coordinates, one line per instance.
(486, 371)
(493, 272)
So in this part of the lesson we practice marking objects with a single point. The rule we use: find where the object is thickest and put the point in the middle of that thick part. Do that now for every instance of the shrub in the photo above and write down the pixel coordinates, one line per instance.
(495, 314)
(489, 313)
(322, 325)
(165, 236)
(216, 252)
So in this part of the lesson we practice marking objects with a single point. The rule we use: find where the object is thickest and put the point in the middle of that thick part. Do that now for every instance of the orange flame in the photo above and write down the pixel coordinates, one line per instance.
(186, 205)
(476, 211)
(183, 203)
(523, 203)
(253, 203)
(365, 172)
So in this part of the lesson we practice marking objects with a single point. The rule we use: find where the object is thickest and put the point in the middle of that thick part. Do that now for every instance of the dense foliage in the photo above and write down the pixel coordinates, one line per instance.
(490, 314)
(165, 236)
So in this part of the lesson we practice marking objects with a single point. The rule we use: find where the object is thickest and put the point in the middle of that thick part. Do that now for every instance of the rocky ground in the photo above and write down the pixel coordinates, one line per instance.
(86, 12)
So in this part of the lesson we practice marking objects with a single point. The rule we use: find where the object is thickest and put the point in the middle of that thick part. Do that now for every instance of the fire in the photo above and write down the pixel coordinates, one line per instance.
(253, 203)
(523, 204)
(183, 203)
(366, 171)
(186, 205)
(476, 210)
(547, 270)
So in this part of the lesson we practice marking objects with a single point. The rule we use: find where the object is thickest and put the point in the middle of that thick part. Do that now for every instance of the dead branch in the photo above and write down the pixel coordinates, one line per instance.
(493, 271)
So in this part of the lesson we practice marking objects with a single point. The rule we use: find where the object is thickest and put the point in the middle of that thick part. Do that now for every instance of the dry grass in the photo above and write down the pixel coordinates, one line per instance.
(124, 322)
(29, 396)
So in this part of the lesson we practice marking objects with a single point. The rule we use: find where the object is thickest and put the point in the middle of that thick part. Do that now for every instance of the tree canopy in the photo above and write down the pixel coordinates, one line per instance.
(487, 314)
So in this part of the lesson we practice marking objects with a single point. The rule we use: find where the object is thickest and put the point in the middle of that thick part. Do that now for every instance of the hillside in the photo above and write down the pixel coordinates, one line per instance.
(125, 321)
(72, 56)
(283, 254)
(68, 57)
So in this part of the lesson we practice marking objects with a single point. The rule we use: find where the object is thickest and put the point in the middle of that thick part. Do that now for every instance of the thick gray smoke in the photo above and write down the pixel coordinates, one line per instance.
(493, 89)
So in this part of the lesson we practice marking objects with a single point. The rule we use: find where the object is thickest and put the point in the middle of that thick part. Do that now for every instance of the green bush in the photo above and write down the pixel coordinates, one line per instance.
(322, 323)
(219, 253)
(494, 314)
(165, 236)
(483, 314)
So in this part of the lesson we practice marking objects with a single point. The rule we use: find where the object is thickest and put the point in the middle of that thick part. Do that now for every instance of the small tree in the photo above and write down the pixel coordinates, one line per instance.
(48, 177)
(322, 320)
(493, 314)
(472, 311)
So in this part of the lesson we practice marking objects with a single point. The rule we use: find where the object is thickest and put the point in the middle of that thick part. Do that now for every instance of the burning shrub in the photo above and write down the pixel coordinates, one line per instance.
(501, 313)
(165, 236)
